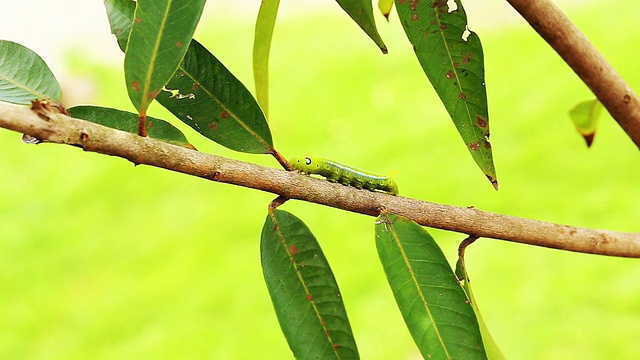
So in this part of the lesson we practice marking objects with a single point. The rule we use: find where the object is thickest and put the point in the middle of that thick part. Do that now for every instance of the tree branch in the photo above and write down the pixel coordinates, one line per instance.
(576, 50)
(59, 128)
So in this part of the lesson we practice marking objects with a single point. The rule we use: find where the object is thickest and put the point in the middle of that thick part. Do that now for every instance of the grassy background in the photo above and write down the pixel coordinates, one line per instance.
(100, 259)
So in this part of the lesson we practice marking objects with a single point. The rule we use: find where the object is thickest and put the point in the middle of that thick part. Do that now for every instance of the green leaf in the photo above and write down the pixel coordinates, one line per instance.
(120, 14)
(585, 118)
(159, 38)
(126, 121)
(385, 7)
(492, 349)
(452, 58)
(303, 290)
(361, 11)
(434, 306)
(261, 48)
(213, 101)
(207, 97)
(24, 76)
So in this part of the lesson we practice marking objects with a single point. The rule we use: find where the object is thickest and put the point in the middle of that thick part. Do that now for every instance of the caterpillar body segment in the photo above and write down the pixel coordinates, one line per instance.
(345, 175)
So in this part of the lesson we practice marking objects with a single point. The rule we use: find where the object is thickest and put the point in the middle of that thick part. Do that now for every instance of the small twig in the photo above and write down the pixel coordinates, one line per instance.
(281, 160)
(463, 245)
(277, 202)
(612, 91)
(291, 185)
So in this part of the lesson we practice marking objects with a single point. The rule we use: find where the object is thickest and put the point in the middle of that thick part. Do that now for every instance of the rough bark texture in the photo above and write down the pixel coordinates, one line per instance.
(59, 128)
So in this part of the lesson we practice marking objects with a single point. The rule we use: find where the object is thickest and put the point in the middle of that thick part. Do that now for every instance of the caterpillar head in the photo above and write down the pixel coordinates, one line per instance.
(391, 185)
(305, 165)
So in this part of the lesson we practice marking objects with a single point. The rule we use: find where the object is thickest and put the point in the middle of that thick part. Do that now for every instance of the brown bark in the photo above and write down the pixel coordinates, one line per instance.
(594, 70)
(59, 128)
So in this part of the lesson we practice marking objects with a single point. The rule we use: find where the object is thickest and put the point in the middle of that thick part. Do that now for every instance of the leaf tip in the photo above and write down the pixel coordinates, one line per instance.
(589, 138)
(494, 181)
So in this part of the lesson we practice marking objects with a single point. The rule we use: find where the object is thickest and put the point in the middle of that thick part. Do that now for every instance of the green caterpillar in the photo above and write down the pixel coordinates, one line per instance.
(345, 175)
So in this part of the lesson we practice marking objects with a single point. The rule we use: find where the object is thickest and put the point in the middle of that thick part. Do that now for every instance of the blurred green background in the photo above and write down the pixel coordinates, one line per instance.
(100, 259)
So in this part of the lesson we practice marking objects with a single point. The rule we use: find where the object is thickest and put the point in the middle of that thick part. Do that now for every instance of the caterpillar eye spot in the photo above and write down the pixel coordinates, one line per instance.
(307, 161)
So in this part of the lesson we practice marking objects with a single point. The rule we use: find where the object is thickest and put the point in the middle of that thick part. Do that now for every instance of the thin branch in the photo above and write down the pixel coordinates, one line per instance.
(59, 128)
(594, 70)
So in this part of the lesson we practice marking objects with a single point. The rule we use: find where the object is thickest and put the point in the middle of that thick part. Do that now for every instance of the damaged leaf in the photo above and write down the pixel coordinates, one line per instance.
(452, 58)
(206, 96)
(158, 40)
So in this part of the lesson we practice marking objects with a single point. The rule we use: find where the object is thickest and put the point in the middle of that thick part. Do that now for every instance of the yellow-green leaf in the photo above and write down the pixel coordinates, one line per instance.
(261, 49)
(585, 118)
(490, 345)
(385, 7)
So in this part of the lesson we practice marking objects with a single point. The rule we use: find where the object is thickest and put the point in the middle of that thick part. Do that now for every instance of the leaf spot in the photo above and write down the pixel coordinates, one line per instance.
(213, 126)
(135, 85)
(309, 297)
(413, 4)
(224, 114)
(153, 94)
(482, 122)
(138, 20)
(474, 146)
(462, 96)
(293, 250)
(414, 17)
(450, 74)
(149, 124)
(179, 44)
(467, 59)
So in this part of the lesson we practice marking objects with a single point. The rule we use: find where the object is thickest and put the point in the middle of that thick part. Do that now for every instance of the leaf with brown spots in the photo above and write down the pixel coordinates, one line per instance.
(361, 11)
(303, 290)
(435, 308)
(452, 58)
(155, 46)
(208, 97)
